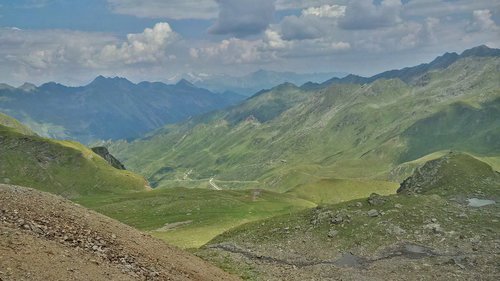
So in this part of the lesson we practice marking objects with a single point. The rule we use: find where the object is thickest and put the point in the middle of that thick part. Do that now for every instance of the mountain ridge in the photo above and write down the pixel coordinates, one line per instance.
(108, 108)
(289, 136)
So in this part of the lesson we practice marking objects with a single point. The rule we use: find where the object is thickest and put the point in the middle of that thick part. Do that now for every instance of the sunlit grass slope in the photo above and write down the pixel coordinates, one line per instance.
(201, 213)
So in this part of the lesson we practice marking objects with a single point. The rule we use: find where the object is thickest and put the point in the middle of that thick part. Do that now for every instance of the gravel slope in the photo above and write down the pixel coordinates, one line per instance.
(45, 237)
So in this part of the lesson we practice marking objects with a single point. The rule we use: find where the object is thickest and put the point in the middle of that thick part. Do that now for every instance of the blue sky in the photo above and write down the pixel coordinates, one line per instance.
(72, 41)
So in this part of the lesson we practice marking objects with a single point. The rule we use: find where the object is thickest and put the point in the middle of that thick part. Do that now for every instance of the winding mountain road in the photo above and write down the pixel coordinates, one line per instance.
(212, 183)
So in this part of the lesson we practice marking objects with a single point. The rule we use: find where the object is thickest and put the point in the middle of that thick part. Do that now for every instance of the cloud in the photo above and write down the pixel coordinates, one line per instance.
(271, 48)
(171, 9)
(325, 11)
(301, 4)
(300, 28)
(446, 8)
(364, 14)
(41, 55)
(314, 22)
(148, 46)
(242, 18)
(482, 21)
(234, 51)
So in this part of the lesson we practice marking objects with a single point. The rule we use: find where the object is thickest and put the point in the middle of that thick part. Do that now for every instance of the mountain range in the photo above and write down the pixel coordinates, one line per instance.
(254, 82)
(289, 136)
(107, 108)
(387, 178)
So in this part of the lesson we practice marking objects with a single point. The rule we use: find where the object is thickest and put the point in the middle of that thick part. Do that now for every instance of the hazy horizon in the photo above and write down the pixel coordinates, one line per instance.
(72, 42)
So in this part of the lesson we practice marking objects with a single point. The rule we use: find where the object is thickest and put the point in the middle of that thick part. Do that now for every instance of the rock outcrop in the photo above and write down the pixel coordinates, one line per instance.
(104, 153)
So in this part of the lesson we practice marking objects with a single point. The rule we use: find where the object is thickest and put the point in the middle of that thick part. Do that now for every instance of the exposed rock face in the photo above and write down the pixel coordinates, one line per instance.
(424, 176)
(104, 153)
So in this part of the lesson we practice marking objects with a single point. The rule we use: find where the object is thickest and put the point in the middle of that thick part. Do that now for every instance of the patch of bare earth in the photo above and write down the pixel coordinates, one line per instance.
(45, 237)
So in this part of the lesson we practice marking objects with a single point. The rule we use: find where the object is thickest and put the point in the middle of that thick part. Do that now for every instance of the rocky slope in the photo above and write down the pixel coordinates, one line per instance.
(45, 237)
(423, 236)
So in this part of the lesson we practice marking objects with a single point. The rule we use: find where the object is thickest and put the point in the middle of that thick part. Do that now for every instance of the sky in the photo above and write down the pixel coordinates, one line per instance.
(73, 41)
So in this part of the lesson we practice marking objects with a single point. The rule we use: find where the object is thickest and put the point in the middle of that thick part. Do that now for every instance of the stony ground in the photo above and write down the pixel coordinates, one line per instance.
(44, 237)
(380, 238)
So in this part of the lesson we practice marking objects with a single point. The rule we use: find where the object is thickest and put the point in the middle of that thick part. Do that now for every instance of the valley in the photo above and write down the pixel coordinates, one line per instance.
(358, 178)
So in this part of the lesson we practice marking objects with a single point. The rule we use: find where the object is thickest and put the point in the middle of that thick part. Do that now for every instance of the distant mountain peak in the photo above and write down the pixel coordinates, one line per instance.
(4, 86)
(101, 80)
(185, 83)
(481, 51)
(27, 87)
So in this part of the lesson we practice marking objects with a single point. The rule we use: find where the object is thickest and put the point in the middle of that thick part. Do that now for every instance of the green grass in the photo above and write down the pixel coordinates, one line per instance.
(345, 131)
(211, 212)
(331, 191)
(15, 125)
(60, 167)
(455, 174)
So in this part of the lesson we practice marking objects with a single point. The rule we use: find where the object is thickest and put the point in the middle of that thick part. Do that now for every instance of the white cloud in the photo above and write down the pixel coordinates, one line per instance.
(364, 14)
(234, 51)
(301, 4)
(446, 8)
(313, 23)
(325, 11)
(171, 9)
(482, 21)
(148, 46)
(41, 55)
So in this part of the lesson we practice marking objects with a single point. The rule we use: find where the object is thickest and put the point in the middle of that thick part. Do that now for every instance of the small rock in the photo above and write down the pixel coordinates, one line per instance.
(433, 220)
(435, 227)
(376, 199)
(332, 233)
(396, 230)
(475, 240)
(359, 204)
(398, 206)
(373, 213)
(338, 219)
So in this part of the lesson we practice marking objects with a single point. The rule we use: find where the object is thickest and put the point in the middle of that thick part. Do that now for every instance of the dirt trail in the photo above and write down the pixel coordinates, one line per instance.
(45, 237)
(212, 183)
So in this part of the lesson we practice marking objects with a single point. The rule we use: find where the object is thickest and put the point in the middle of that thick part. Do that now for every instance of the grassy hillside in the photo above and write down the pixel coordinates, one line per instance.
(289, 136)
(15, 125)
(189, 218)
(60, 167)
(445, 130)
(455, 174)
(332, 191)
(382, 238)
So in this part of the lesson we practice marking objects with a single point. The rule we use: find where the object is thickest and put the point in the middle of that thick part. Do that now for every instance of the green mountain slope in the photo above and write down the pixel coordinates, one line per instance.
(332, 191)
(76, 172)
(15, 125)
(189, 218)
(290, 136)
(60, 167)
(427, 235)
(454, 175)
